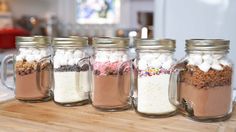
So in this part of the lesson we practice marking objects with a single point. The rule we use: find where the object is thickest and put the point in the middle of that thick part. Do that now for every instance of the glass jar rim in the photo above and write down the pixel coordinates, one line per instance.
(32, 41)
(207, 45)
(155, 44)
(72, 41)
(110, 42)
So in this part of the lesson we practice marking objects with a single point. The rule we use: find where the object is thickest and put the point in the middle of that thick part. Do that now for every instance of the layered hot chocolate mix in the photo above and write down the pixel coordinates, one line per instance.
(206, 94)
(71, 77)
(111, 82)
(32, 79)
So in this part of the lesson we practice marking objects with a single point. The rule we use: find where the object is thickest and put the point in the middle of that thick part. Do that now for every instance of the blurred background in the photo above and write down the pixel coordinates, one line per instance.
(176, 19)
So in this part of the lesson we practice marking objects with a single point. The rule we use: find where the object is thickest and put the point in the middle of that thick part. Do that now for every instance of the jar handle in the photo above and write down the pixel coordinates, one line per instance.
(173, 91)
(38, 74)
(134, 77)
(234, 100)
(5, 62)
(86, 60)
(119, 69)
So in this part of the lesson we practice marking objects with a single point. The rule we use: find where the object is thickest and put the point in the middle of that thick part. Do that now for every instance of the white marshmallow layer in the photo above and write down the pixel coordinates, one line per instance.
(31, 54)
(155, 60)
(67, 57)
(207, 61)
(111, 56)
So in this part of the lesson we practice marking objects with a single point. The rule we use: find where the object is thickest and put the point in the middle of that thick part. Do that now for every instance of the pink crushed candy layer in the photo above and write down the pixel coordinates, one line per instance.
(103, 67)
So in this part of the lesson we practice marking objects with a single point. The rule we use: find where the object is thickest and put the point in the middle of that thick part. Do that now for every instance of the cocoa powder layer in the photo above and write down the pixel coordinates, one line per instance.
(211, 102)
(33, 80)
(27, 87)
(111, 91)
(200, 79)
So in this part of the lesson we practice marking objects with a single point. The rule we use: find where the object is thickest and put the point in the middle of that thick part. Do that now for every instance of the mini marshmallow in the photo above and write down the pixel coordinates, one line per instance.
(115, 57)
(124, 58)
(69, 53)
(22, 49)
(197, 59)
(56, 59)
(67, 56)
(142, 65)
(167, 65)
(78, 54)
(59, 51)
(63, 61)
(218, 56)
(224, 62)
(20, 57)
(207, 58)
(56, 64)
(30, 58)
(190, 61)
(43, 53)
(204, 66)
(35, 51)
(216, 66)
(101, 58)
(162, 58)
(38, 57)
(156, 55)
(28, 51)
(155, 64)
(147, 57)
(77, 60)
(71, 62)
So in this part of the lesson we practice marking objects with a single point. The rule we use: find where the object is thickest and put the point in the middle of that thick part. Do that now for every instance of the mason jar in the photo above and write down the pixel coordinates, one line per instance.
(32, 69)
(154, 64)
(201, 86)
(110, 74)
(71, 71)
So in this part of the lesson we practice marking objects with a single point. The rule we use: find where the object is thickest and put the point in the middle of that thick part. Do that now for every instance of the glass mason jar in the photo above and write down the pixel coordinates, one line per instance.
(71, 71)
(110, 74)
(32, 69)
(201, 86)
(154, 65)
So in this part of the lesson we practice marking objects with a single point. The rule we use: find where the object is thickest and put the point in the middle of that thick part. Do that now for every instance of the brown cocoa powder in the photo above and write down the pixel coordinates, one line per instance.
(200, 79)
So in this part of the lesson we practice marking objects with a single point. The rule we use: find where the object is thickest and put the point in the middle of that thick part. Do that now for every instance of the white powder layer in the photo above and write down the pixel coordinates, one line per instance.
(153, 95)
(71, 86)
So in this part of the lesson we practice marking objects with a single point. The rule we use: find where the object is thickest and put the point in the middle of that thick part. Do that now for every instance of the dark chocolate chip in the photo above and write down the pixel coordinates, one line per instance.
(97, 72)
(85, 67)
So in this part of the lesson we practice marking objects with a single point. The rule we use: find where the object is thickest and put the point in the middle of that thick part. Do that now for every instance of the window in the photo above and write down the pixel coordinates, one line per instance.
(98, 11)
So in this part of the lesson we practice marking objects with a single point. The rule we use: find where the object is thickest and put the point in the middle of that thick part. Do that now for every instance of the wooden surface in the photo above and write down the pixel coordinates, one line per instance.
(28, 117)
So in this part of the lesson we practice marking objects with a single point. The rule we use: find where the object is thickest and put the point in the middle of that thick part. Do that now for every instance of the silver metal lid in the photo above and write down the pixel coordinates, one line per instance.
(33, 41)
(159, 44)
(207, 45)
(110, 42)
(72, 41)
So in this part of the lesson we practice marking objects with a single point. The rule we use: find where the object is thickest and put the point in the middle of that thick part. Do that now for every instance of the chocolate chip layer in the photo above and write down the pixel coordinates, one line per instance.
(69, 68)
(24, 67)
